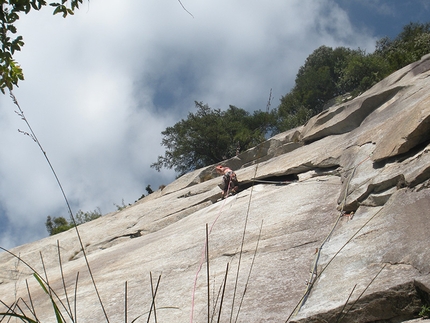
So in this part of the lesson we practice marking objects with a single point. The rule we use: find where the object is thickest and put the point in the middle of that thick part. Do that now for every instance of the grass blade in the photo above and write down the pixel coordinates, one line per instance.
(207, 271)
(125, 302)
(58, 314)
(249, 273)
(222, 295)
(21, 317)
(63, 281)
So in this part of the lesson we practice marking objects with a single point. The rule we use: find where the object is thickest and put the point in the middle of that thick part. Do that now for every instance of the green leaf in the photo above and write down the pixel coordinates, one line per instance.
(41, 283)
(11, 28)
(58, 10)
(54, 305)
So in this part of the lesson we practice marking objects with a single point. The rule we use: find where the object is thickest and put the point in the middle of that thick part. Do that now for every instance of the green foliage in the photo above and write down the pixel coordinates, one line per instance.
(60, 224)
(209, 136)
(425, 311)
(361, 72)
(83, 217)
(316, 83)
(149, 189)
(10, 71)
(318, 80)
(409, 46)
(123, 206)
(328, 73)
(49, 293)
(56, 225)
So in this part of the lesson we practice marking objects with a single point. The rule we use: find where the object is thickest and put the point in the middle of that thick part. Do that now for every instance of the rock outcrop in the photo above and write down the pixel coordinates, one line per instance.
(332, 224)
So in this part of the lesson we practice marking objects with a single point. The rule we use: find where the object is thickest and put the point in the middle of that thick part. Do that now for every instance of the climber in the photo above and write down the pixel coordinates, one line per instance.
(230, 184)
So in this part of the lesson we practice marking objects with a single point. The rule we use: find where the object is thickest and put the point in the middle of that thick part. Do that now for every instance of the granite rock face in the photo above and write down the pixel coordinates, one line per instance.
(332, 224)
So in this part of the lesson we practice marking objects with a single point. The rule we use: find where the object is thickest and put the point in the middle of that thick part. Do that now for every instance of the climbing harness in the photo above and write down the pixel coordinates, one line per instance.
(230, 178)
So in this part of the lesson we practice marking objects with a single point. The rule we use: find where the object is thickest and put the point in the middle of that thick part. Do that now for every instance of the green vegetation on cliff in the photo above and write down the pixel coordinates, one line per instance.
(209, 135)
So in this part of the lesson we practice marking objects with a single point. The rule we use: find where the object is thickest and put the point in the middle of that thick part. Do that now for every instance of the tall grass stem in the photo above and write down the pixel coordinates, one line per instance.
(33, 136)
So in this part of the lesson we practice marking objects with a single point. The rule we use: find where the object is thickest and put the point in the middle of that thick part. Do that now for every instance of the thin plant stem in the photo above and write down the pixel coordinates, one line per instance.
(222, 295)
(44, 271)
(35, 272)
(207, 269)
(153, 293)
(332, 258)
(249, 273)
(153, 299)
(50, 290)
(202, 261)
(216, 300)
(159, 308)
(33, 136)
(76, 299)
(125, 302)
(241, 246)
(314, 273)
(18, 307)
(9, 311)
(346, 303)
(368, 285)
(26, 305)
(12, 311)
(63, 281)
(33, 310)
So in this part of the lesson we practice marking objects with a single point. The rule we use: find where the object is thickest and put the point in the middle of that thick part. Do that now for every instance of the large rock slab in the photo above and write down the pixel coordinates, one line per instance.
(346, 117)
(346, 197)
(288, 231)
(389, 241)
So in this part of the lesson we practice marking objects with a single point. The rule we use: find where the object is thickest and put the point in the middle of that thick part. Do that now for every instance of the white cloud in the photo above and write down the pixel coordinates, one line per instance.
(101, 86)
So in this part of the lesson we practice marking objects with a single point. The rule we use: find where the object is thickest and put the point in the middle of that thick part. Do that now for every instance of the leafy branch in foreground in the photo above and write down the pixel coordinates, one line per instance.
(10, 71)
(10, 10)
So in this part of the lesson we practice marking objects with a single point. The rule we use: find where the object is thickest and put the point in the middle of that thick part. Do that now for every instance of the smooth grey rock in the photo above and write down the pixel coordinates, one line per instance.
(348, 194)
(346, 117)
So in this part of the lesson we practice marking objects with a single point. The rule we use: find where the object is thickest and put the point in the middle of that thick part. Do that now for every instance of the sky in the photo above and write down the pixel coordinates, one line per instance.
(101, 86)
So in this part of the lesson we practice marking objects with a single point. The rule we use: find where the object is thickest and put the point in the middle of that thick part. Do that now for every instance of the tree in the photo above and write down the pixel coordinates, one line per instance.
(57, 225)
(317, 81)
(149, 189)
(209, 136)
(10, 71)
(60, 224)
(83, 217)
(328, 73)
(362, 71)
(409, 46)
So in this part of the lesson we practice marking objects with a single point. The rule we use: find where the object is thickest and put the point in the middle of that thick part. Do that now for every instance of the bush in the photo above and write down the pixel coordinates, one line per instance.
(60, 224)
